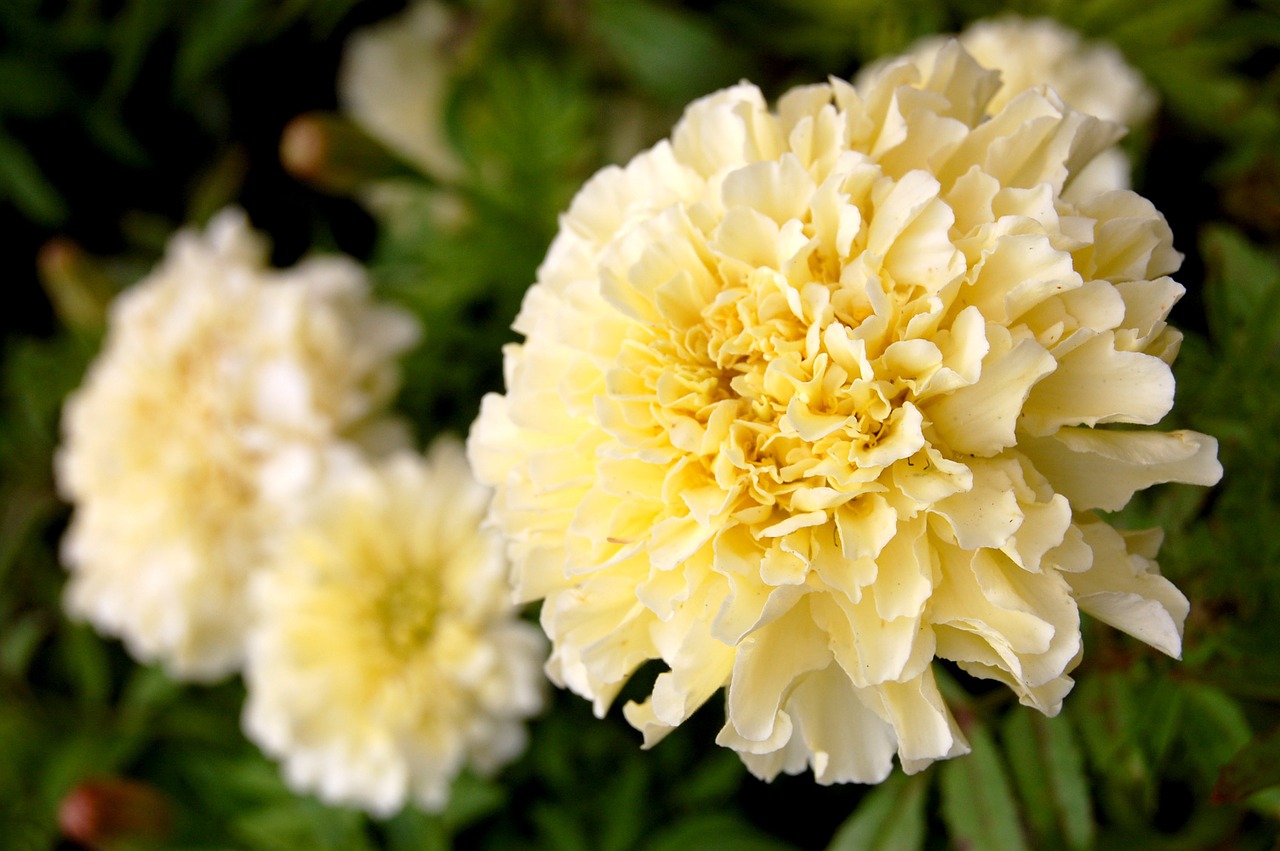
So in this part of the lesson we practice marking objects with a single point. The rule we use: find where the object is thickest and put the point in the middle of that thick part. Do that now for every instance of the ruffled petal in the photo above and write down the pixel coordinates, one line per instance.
(1124, 588)
(1103, 469)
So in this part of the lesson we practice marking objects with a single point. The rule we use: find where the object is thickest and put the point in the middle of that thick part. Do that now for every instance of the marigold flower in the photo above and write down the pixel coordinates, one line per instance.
(219, 391)
(1090, 76)
(386, 651)
(809, 398)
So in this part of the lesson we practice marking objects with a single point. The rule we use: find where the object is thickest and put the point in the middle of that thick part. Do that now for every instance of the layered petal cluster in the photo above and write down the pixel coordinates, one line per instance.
(386, 652)
(1091, 77)
(220, 390)
(811, 397)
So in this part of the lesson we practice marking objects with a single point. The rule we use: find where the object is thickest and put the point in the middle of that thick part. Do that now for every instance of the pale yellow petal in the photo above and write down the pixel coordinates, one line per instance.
(768, 663)
(1095, 383)
(1103, 469)
(986, 515)
(980, 419)
(1124, 588)
(921, 722)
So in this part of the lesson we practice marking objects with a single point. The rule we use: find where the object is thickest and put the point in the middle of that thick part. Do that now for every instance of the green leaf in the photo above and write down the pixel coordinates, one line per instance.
(31, 88)
(216, 32)
(413, 830)
(1256, 678)
(831, 35)
(1255, 767)
(84, 659)
(1111, 725)
(133, 32)
(714, 832)
(524, 125)
(625, 801)
(1104, 713)
(1244, 287)
(560, 829)
(1167, 22)
(1202, 96)
(889, 818)
(1215, 728)
(302, 824)
(669, 52)
(147, 692)
(1245, 29)
(82, 752)
(22, 182)
(977, 802)
(1163, 702)
(471, 799)
(18, 643)
(712, 780)
(1048, 770)
(106, 127)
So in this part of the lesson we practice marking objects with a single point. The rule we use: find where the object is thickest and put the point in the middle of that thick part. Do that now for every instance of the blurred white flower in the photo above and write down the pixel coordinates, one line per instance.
(809, 398)
(1090, 76)
(393, 81)
(218, 394)
(386, 652)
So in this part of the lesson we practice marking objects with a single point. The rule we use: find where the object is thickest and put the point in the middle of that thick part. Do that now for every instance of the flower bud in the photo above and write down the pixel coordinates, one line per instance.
(104, 812)
(333, 154)
(78, 291)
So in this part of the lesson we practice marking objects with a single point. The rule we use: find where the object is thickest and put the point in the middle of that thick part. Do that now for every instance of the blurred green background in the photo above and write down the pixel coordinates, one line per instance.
(120, 121)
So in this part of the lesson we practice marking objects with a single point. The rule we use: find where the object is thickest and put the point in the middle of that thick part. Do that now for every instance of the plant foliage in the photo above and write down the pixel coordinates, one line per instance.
(176, 109)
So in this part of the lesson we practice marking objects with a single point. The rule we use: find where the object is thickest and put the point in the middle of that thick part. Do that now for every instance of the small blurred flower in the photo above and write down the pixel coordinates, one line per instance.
(808, 399)
(394, 79)
(1091, 77)
(112, 812)
(220, 388)
(386, 652)
(393, 84)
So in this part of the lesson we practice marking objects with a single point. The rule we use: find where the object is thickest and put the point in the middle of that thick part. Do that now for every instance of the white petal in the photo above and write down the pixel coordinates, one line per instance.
(980, 419)
(1016, 274)
(768, 662)
(1103, 469)
(986, 515)
(920, 720)
(1094, 384)
(843, 740)
(1125, 589)
(779, 189)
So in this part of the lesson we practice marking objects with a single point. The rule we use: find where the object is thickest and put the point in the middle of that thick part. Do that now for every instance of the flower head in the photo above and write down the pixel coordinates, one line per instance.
(1091, 77)
(811, 397)
(219, 391)
(386, 652)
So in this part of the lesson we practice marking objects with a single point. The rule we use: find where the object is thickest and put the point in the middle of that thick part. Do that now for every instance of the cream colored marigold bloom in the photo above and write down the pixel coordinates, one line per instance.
(387, 653)
(811, 397)
(1090, 76)
(216, 398)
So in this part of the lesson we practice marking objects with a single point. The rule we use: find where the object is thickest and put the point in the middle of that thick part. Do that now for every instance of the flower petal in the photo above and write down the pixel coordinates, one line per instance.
(768, 662)
(1094, 383)
(1103, 469)
(980, 419)
(1124, 589)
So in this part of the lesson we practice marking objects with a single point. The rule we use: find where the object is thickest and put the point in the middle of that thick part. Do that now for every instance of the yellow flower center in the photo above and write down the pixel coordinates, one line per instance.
(406, 611)
(769, 383)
